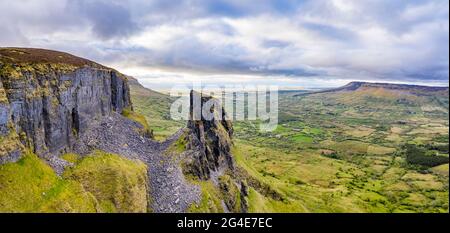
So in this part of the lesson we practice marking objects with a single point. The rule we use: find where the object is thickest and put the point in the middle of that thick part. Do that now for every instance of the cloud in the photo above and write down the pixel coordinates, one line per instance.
(277, 40)
(108, 19)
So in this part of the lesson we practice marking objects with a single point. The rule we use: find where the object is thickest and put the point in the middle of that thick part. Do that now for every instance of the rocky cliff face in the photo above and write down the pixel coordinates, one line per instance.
(210, 138)
(47, 98)
(208, 157)
(52, 103)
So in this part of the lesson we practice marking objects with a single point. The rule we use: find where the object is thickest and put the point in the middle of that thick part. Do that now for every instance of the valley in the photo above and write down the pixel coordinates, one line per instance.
(344, 151)
(76, 136)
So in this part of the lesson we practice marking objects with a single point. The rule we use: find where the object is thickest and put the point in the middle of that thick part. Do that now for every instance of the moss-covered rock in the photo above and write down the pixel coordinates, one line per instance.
(230, 193)
(225, 195)
(100, 182)
(71, 157)
(210, 202)
(30, 185)
(118, 184)
(139, 118)
(10, 146)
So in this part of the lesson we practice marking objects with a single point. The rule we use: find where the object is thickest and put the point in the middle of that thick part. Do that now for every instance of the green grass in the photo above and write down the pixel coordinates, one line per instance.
(139, 118)
(441, 169)
(155, 107)
(365, 173)
(71, 157)
(30, 185)
(179, 146)
(302, 138)
(100, 182)
(216, 197)
(310, 182)
(69, 197)
(261, 204)
(118, 184)
(210, 202)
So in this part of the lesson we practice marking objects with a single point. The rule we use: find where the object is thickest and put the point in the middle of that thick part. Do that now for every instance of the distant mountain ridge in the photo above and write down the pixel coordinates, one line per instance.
(353, 86)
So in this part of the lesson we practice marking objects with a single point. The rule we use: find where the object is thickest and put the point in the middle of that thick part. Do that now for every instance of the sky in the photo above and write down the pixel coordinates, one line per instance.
(292, 44)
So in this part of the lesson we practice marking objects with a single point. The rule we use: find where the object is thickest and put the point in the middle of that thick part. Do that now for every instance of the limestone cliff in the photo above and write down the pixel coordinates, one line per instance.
(211, 139)
(52, 103)
(208, 157)
(48, 97)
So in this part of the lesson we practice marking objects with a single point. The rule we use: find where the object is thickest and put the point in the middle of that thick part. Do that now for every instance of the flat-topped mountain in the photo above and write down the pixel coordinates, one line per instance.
(358, 86)
(387, 96)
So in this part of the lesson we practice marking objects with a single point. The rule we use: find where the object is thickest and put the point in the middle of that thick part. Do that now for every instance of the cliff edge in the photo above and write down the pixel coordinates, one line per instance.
(47, 98)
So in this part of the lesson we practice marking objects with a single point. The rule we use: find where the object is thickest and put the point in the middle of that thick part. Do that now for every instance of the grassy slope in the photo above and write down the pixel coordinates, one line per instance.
(303, 180)
(98, 183)
(311, 182)
(141, 119)
(30, 185)
(216, 197)
(210, 199)
(337, 152)
(33, 55)
(155, 107)
(118, 184)
(340, 152)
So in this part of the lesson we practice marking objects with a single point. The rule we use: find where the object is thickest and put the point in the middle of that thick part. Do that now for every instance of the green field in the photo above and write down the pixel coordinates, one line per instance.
(99, 182)
(155, 107)
(344, 152)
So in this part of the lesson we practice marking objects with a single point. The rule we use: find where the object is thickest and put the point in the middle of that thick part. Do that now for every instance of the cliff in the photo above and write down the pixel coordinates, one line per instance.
(211, 139)
(208, 159)
(48, 97)
(70, 111)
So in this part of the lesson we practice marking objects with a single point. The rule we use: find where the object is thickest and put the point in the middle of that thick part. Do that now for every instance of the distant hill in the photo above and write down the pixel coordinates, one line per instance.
(155, 106)
(413, 89)
(376, 99)
(138, 89)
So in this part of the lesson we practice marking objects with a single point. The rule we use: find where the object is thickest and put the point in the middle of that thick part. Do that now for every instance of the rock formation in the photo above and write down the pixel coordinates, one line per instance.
(211, 138)
(52, 103)
(47, 98)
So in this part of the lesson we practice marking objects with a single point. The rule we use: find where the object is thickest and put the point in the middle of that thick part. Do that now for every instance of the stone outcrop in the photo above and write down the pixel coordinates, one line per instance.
(209, 138)
(47, 98)
(208, 157)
